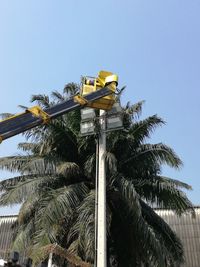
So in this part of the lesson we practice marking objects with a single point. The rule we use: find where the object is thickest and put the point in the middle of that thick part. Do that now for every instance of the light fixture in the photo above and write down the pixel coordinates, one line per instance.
(87, 121)
(114, 118)
(87, 114)
(87, 127)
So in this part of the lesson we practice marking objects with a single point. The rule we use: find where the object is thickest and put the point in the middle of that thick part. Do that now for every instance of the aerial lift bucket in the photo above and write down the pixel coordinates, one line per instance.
(104, 79)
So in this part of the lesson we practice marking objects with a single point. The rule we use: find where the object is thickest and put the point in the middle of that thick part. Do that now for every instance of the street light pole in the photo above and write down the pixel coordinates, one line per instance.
(50, 259)
(111, 123)
(101, 213)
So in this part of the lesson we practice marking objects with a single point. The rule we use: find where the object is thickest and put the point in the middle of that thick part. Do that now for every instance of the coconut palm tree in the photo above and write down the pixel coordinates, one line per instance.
(56, 188)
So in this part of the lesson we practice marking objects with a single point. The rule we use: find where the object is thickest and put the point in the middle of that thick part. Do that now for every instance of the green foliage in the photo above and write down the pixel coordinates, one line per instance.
(56, 187)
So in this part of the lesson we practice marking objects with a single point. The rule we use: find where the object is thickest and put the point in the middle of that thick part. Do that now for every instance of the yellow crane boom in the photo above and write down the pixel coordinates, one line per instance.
(96, 92)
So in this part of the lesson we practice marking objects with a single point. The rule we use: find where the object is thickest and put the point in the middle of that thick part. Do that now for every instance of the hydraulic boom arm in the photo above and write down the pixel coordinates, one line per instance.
(101, 95)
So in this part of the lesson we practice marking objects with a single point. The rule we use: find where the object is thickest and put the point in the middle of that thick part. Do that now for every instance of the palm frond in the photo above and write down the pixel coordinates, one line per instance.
(57, 96)
(71, 89)
(4, 116)
(111, 162)
(58, 203)
(120, 92)
(23, 236)
(23, 107)
(42, 100)
(142, 129)
(24, 188)
(68, 169)
(39, 165)
(127, 190)
(175, 182)
(84, 228)
(14, 163)
(28, 209)
(11, 182)
(159, 153)
(134, 110)
(40, 239)
(142, 231)
(28, 147)
(164, 193)
(59, 136)
(165, 234)
(90, 165)
(59, 251)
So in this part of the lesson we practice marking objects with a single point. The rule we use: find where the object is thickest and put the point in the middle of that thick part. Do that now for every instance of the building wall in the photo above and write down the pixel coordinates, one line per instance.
(188, 229)
(6, 223)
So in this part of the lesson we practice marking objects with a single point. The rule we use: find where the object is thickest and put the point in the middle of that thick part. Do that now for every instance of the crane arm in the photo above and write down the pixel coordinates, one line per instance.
(36, 116)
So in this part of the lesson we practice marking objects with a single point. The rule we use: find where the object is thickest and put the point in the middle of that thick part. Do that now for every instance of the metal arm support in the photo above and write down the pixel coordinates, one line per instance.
(37, 111)
(36, 116)
(80, 99)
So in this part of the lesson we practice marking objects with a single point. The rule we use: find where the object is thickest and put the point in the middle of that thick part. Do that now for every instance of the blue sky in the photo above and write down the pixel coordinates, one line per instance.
(152, 45)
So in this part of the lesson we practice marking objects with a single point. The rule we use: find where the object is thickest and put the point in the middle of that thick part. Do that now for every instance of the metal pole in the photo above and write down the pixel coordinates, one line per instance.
(50, 259)
(101, 226)
(96, 200)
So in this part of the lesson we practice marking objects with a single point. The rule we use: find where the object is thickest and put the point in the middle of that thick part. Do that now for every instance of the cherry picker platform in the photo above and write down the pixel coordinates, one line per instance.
(95, 92)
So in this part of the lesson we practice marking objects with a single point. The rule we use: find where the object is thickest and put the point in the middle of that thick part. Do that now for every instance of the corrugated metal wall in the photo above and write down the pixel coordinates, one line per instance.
(6, 223)
(188, 229)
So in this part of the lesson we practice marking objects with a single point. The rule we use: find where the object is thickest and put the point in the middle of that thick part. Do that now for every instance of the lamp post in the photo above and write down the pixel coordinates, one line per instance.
(108, 121)
(50, 259)
(101, 212)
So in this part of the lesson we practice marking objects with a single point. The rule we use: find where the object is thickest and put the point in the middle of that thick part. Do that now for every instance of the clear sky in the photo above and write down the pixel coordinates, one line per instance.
(154, 47)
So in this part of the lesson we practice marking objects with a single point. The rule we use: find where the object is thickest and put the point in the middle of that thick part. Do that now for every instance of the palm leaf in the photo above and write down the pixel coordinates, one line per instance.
(28, 147)
(42, 100)
(11, 182)
(4, 116)
(71, 89)
(28, 209)
(22, 240)
(134, 110)
(146, 237)
(57, 250)
(67, 169)
(171, 241)
(111, 163)
(14, 163)
(164, 193)
(59, 203)
(23, 189)
(142, 129)
(23, 107)
(57, 96)
(159, 153)
(40, 165)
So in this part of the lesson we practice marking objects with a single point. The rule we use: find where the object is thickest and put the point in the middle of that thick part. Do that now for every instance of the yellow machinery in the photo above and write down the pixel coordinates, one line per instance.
(96, 93)
(104, 79)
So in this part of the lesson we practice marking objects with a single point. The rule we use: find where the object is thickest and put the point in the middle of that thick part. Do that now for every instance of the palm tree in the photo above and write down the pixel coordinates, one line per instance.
(56, 188)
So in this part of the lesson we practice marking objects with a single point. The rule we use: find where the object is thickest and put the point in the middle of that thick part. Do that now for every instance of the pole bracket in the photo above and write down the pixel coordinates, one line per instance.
(80, 99)
(37, 111)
